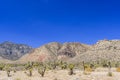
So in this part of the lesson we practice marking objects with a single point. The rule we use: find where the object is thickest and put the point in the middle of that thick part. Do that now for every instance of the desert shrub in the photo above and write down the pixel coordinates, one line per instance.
(110, 74)
(92, 66)
(17, 79)
(27, 66)
(88, 69)
(117, 64)
(14, 71)
(63, 66)
(118, 69)
(2, 66)
(35, 64)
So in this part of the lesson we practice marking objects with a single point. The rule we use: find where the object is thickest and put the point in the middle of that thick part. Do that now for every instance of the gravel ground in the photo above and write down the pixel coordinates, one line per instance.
(60, 75)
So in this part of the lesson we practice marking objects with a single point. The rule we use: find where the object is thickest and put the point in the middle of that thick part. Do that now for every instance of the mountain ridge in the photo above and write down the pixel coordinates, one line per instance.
(74, 52)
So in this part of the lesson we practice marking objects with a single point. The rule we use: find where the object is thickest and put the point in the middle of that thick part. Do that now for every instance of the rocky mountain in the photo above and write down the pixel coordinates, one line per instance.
(108, 50)
(76, 52)
(54, 51)
(44, 53)
(71, 52)
(12, 51)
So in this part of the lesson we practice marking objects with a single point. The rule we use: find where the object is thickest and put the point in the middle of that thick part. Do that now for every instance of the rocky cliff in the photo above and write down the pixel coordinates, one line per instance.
(12, 51)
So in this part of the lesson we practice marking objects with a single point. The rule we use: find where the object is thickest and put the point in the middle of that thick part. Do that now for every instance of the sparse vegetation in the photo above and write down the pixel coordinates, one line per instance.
(31, 67)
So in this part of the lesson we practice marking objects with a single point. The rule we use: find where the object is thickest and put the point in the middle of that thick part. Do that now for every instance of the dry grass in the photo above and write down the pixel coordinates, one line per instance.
(118, 69)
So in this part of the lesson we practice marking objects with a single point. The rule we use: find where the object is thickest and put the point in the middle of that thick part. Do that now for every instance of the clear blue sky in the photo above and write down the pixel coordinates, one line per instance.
(37, 22)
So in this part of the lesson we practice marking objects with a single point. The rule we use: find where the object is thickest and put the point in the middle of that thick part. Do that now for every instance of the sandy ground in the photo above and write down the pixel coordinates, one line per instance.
(60, 75)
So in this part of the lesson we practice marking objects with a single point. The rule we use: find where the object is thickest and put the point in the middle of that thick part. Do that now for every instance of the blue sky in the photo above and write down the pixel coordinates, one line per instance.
(37, 22)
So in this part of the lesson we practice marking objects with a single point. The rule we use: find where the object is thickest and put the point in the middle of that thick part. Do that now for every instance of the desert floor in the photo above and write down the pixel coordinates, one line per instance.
(99, 74)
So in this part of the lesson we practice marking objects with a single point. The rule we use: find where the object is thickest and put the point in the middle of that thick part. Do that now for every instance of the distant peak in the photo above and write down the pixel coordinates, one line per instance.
(7, 42)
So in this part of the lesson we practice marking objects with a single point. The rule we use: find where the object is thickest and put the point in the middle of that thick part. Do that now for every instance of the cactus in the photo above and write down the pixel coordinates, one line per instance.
(41, 70)
(71, 67)
(29, 67)
(109, 67)
(7, 68)
(63, 65)
(8, 73)
(53, 65)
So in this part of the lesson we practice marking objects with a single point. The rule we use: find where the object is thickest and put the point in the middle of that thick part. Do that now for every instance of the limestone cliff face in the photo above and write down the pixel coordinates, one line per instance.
(12, 51)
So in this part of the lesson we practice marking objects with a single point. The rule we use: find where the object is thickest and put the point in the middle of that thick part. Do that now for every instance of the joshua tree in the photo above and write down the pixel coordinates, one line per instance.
(41, 70)
(54, 64)
(7, 68)
(63, 66)
(8, 73)
(109, 68)
(29, 66)
(71, 67)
